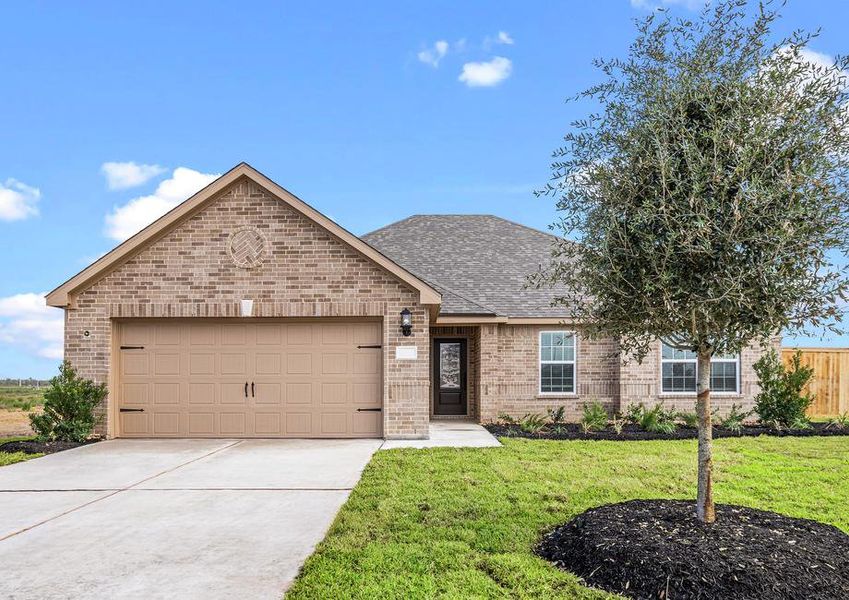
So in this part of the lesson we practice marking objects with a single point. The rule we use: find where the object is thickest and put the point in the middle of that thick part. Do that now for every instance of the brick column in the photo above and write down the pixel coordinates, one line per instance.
(489, 402)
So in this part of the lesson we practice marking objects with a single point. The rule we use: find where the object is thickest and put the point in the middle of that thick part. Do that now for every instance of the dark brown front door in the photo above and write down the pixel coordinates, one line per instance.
(449, 376)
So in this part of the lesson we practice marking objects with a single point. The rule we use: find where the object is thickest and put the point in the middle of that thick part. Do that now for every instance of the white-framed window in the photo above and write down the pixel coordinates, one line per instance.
(679, 372)
(556, 362)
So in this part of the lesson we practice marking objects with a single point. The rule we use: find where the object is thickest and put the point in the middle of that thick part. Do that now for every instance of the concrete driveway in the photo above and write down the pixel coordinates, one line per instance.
(171, 518)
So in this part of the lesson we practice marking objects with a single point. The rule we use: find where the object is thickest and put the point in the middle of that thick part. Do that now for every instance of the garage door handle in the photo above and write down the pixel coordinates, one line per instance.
(246, 389)
(377, 346)
(132, 347)
(369, 409)
(131, 410)
(252, 390)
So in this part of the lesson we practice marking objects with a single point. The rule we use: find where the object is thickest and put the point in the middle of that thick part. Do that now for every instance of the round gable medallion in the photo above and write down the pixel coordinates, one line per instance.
(246, 247)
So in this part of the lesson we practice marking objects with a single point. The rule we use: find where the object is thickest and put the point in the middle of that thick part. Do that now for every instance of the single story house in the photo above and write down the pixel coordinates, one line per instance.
(244, 312)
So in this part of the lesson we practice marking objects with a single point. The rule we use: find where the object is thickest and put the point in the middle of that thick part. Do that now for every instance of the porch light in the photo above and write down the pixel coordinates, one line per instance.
(246, 308)
(406, 322)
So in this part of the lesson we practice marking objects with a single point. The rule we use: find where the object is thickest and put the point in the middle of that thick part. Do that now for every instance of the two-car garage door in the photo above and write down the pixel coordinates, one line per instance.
(197, 378)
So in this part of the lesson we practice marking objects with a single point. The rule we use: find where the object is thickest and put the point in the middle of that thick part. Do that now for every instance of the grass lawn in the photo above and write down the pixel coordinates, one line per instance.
(8, 458)
(21, 398)
(448, 523)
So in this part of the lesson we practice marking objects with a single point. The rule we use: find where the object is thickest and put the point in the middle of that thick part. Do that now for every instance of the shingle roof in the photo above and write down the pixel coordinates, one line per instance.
(479, 263)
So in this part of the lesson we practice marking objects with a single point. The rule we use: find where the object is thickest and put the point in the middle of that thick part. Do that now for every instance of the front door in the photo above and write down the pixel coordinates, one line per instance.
(449, 376)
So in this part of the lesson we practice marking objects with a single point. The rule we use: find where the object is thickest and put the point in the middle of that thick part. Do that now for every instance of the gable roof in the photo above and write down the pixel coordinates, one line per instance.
(62, 295)
(480, 263)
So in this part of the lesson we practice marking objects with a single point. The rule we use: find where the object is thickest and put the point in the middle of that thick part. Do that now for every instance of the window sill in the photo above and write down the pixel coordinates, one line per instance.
(693, 394)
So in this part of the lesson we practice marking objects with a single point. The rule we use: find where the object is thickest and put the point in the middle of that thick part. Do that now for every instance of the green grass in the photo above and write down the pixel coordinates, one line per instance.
(448, 523)
(21, 398)
(10, 458)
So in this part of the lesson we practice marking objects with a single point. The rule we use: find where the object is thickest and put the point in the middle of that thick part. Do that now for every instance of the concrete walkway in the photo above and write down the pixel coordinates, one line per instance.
(449, 434)
(171, 518)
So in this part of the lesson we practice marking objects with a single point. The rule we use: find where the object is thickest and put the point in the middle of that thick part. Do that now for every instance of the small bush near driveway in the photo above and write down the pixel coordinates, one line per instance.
(460, 523)
(69, 405)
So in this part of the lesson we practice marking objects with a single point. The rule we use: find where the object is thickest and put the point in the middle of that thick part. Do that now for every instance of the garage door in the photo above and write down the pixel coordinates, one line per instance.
(257, 379)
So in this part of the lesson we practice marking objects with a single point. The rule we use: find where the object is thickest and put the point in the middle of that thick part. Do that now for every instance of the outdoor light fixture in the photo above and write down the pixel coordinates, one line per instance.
(406, 322)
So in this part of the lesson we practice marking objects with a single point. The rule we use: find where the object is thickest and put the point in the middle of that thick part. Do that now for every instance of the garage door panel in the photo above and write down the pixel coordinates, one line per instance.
(309, 378)
(268, 423)
(166, 393)
(268, 393)
(201, 423)
(201, 393)
(166, 423)
(202, 363)
(233, 423)
(166, 363)
(299, 393)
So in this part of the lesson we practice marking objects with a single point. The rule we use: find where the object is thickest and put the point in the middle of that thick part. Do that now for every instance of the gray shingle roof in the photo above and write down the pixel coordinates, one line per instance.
(479, 262)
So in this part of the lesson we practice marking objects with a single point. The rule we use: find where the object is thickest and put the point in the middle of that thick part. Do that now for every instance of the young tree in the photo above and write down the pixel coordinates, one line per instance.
(708, 194)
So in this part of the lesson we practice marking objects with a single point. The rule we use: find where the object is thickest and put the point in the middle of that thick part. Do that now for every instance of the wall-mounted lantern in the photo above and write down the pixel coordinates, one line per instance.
(406, 322)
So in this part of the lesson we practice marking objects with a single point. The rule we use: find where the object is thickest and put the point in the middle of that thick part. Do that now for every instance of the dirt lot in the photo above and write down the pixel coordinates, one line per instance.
(14, 423)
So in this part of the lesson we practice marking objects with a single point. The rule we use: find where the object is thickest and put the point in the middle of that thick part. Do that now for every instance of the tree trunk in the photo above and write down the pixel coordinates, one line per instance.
(704, 501)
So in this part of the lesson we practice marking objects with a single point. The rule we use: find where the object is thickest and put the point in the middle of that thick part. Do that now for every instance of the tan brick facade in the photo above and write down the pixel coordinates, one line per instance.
(305, 272)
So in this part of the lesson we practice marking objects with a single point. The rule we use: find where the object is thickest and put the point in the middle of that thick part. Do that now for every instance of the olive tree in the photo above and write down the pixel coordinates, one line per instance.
(707, 194)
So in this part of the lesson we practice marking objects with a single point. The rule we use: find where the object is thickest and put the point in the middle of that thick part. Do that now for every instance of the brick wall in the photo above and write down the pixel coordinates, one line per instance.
(306, 272)
(509, 373)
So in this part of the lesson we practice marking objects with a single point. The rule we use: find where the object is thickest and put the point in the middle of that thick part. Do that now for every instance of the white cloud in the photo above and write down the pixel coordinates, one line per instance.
(123, 175)
(818, 59)
(504, 38)
(432, 56)
(28, 324)
(18, 201)
(653, 4)
(486, 74)
(127, 220)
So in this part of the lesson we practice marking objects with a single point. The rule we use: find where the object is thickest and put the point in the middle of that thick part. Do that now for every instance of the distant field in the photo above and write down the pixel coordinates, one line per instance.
(21, 398)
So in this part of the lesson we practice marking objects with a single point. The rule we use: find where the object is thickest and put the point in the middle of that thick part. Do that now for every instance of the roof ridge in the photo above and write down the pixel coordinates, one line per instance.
(456, 293)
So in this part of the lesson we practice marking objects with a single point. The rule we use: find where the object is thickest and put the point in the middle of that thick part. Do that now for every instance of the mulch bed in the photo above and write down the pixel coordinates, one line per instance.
(573, 431)
(650, 549)
(34, 447)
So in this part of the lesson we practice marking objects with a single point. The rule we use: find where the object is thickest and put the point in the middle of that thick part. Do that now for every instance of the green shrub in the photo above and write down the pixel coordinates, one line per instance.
(689, 419)
(781, 400)
(69, 405)
(505, 419)
(532, 423)
(735, 418)
(840, 422)
(617, 423)
(556, 415)
(656, 419)
(593, 417)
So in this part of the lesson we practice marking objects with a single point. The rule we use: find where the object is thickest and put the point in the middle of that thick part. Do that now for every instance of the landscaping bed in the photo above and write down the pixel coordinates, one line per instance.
(658, 549)
(36, 447)
(574, 431)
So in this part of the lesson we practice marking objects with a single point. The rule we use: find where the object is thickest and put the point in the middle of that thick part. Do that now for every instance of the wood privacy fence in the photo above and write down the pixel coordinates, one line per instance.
(830, 382)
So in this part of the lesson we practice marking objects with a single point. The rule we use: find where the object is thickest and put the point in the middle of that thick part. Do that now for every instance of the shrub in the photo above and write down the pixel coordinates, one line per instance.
(617, 423)
(505, 419)
(802, 423)
(735, 418)
(593, 417)
(532, 423)
(656, 419)
(689, 419)
(556, 415)
(781, 399)
(840, 422)
(69, 405)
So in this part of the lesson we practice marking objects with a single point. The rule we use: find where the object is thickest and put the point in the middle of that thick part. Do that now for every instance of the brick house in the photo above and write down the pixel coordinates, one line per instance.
(244, 312)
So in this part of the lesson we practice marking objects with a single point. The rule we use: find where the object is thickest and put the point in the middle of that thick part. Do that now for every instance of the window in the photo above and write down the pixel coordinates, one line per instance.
(556, 362)
(678, 372)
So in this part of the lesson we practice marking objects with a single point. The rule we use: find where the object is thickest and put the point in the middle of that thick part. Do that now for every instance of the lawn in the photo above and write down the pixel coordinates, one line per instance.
(9, 458)
(21, 398)
(448, 523)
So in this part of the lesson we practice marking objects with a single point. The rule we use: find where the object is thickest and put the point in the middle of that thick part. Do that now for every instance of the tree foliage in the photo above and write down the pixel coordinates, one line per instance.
(709, 192)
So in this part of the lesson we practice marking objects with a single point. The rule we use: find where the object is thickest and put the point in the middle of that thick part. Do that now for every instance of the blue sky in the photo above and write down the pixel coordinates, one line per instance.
(370, 114)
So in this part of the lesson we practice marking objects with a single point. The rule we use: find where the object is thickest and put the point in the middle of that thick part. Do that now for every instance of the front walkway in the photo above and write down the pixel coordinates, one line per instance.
(449, 433)
(171, 518)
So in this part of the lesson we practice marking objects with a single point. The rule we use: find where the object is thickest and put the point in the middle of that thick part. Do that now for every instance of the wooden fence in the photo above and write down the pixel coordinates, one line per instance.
(831, 378)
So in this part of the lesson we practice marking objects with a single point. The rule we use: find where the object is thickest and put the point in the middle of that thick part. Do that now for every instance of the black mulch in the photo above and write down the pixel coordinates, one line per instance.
(573, 431)
(34, 447)
(651, 549)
